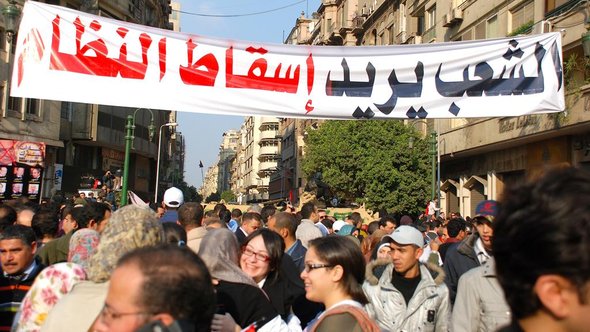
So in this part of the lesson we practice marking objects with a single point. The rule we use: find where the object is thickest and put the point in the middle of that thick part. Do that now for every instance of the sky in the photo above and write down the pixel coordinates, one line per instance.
(203, 132)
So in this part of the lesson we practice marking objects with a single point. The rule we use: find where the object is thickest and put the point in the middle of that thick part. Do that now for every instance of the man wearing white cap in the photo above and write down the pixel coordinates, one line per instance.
(407, 296)
(173, 199)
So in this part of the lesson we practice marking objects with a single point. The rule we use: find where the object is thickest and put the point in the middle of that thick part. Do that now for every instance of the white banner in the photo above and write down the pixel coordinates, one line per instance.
(63, 54)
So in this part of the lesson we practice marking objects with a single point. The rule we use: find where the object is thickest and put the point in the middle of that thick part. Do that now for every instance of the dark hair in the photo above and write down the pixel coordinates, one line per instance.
(19, 232)
(45, 223)
(373, 226)
(543, 227)
(455, 226)
(174, 233)
(267, 211)
(236, 213)
(383, 221)
(176, 282)
(251, 216)
(225, 216)
(97, 211)
(286, 220)
(190, 214)
(275, 246)
(7, 216)
(307, 210)
(81, 215)
(218, 208)
(357, 218)
(338, 250)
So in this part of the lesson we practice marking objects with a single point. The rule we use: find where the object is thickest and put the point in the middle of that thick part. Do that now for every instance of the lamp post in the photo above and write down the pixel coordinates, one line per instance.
(170, 124)
(130, 127)
(11, 14)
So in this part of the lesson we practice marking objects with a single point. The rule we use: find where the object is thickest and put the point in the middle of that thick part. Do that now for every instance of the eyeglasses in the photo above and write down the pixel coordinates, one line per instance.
(310, 267)
(259, 256)
(107, 315)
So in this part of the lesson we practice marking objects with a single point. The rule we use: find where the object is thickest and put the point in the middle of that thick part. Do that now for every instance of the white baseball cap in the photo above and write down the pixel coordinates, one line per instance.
(407, 235)
(337, 225)
(173, 197)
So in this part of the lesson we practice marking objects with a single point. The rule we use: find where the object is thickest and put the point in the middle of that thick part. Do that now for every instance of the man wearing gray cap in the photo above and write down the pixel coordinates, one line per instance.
(407, 296)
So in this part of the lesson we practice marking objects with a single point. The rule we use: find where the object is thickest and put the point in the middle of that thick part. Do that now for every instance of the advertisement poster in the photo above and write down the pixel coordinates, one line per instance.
(21, 169)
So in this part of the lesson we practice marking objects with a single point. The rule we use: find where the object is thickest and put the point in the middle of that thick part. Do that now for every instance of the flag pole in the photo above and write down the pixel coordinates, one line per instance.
(202, 176)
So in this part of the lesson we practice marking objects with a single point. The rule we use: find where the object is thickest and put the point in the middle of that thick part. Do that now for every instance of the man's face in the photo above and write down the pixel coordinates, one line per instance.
(82, 195)
(20, 172)
(405, 257)
(250, 226)
(322, 215)
(3, 171)
(121, 311)
(69, 224)
(35, 173)
(485, 233)
(389, 227)
(16, 256)
(315, 217)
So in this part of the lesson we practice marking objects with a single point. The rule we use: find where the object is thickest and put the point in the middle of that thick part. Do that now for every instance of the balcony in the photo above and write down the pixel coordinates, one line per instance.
(429, 36)
(269, 135)
(268, 120)
(267, 166)
(401, 37)
(269, 151)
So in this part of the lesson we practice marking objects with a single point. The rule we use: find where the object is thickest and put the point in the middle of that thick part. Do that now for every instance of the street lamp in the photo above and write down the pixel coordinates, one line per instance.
(433, 152)
(11, 14)
(130, 126)
(169, 124)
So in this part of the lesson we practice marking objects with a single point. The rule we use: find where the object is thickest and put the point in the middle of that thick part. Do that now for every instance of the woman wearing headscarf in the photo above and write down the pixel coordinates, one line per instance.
(83, 245)
(237, 293)
(51, 284)
(129, 228)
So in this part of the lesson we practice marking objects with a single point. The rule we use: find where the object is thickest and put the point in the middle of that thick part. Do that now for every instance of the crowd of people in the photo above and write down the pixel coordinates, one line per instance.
(519, 264)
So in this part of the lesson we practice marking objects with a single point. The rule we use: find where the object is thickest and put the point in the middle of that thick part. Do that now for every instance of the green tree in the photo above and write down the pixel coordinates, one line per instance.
(190, 192)
(228, 196)
(371, 162)
(214, 197)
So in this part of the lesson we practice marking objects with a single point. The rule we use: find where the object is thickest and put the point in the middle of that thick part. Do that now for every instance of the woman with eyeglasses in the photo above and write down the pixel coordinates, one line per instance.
(241, 303)
(333, 275)
(263, 259)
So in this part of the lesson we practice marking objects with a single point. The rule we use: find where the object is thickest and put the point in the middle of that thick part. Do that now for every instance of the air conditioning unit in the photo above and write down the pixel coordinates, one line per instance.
(445, 21)
(542, 27)
(457, 14)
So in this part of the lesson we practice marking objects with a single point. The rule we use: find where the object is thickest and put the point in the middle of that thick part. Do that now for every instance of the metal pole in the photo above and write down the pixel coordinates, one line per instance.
(158, 164)
(438, 173)
(433, 147)
(128, 142)
(170, 124)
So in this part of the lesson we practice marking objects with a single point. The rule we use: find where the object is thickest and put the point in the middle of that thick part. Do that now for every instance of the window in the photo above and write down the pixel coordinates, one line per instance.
(402, 17)
(391, 32)
(492, 27)
(14, 104)
(32, 107)
(66, 110)
(522, 15)
(480, 30)
(431, 17)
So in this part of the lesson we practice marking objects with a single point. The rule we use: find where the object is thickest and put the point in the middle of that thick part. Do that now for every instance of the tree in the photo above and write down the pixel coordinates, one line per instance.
(371, 162)
(190, 192)
(214, 197)
(228, 196)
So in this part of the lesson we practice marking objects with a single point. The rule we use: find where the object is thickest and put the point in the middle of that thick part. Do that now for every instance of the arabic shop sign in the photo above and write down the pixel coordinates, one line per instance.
(68, 55)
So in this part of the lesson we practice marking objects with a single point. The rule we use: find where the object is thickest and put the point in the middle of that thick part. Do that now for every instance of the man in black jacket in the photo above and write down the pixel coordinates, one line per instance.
(17, 255)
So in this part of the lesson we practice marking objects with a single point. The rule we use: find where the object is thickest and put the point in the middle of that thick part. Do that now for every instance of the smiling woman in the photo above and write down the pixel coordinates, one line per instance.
(333, 274)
